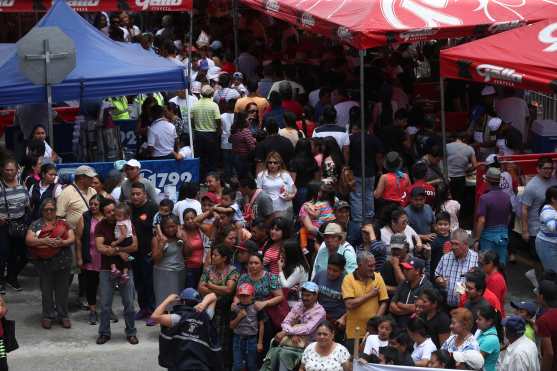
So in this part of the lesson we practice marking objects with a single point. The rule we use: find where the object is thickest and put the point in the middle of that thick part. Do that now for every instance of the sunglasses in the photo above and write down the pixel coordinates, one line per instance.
(273, 163)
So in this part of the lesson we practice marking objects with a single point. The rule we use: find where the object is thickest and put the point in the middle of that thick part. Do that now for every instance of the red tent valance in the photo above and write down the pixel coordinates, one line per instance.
(524, 58)
(23, 6)
(371, 23)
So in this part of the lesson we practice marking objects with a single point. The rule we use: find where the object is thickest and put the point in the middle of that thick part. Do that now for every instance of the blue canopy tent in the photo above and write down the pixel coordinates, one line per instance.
(103, 67)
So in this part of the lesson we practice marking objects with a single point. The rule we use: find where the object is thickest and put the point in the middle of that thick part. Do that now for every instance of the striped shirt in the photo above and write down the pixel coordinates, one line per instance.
(204, 114)
(452, 269)
(243, 142)
(548, 224)
(271, 258)
(17, 199)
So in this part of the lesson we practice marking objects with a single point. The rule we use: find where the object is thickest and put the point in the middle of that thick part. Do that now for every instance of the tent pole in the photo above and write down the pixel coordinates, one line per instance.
(363, 132)
(188, 91)
(235, 28)
(443, 129)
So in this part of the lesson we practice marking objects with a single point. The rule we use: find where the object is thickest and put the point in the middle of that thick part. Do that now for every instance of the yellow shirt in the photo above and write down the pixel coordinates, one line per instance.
(71, 206)
(353, 288)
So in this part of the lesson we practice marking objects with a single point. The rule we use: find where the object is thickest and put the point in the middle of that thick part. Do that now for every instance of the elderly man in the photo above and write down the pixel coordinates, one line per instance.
(298, 330)
(522, 353)
(205, 115)
(453, 265)
(494, 214)
(403, 302)
(104, 236)
(334, 244)
(364, 294)
(132, 169)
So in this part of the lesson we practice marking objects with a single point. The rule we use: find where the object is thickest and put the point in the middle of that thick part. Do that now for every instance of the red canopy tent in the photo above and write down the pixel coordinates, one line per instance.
(371, 23)
(24, 6)
(524, 58)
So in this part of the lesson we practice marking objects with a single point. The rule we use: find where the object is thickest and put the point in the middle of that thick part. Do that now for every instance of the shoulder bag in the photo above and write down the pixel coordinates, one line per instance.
(17, 228)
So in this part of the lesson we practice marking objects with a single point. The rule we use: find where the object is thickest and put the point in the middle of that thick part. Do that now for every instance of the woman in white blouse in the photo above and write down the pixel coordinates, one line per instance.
(277, 182)
(293, 270)
(325, 354)
(39, 133)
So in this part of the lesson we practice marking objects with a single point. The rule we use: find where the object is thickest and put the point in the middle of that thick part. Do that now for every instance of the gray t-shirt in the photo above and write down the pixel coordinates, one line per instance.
(420, 219)
(172, 258)
(126, 190)
(249, 325)
(533, 197)
(458, 158)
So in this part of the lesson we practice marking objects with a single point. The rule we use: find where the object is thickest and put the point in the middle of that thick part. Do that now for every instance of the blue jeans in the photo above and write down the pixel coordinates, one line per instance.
(496, 239)
(244, 349)
(227, 163)
(356, 200)
(547, 252)
(127, 292)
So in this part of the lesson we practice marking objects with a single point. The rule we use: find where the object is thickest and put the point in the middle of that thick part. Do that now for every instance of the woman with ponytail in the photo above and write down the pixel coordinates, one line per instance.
(394, 184)
(489, 335)
(546, 240)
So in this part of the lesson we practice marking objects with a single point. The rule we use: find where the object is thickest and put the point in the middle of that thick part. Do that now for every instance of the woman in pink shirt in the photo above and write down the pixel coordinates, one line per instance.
(272, 251)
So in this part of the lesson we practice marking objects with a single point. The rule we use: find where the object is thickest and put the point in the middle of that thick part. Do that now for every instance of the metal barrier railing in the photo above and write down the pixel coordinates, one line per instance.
(546, 105)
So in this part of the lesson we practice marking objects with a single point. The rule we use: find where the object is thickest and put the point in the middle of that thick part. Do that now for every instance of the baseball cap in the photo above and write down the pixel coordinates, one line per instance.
(413, 263)
(491, 159)
(528, 306)
(310, 286)
(417, 191)
(471, 358)
(398, 241)
(245, 289)
(238, 76)
(211, 196)
(488, 90)
(514, 324)
(333, 229)
(203, 65)
(493, 174)
(215, 45)
(190, 294)
(342, 205)
(196, 87)
(133, 163)
(494, 123)
(85, 170)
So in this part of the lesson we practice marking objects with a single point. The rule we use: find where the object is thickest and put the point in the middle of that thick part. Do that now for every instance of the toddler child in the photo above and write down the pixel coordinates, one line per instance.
(123, 233)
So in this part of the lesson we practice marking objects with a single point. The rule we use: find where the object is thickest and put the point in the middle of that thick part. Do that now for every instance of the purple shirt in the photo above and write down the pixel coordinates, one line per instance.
(303, 322)
(495, 206)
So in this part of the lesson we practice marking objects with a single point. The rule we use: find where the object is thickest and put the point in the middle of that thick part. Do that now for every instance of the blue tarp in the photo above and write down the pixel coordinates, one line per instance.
(103, 67)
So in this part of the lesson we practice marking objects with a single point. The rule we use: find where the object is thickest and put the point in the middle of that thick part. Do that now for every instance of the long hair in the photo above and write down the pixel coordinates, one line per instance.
(293, 257)
(332, 149)
(490, 314)
(550, 194)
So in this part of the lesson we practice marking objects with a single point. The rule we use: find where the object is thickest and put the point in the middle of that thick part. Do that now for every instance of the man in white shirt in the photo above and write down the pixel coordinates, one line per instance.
(182, 99)
(187, 195)
(161, 135)
(522, 353)
(343, 106)
(515, 110)
(328, 128)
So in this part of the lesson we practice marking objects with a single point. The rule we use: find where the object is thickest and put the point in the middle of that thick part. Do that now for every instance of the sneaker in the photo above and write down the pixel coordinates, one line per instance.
(150, 322)
(14, 285)
(113, 317)
(66, 323)
(46, 323)
(93, 318)
(133, 340)
(102, 339)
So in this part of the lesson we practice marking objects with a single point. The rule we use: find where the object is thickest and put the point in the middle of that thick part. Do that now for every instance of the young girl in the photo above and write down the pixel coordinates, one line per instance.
(123, 234)
(317, 211)
(373, 342)
(447, 204)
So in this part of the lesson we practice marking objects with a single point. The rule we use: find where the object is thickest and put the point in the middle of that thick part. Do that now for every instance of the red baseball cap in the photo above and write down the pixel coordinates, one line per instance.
(245, 289)
(211, 196)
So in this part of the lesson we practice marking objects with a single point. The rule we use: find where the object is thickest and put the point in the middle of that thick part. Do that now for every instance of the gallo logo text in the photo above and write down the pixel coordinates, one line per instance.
(159, 4)
(499, 75)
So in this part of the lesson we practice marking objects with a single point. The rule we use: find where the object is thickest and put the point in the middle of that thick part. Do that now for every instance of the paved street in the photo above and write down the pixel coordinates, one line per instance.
(75, 349)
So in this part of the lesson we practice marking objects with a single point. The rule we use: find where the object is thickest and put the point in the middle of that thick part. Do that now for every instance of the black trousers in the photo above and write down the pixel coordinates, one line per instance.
(13, 253)
(91, 282)
(458, 189)
(207, 148)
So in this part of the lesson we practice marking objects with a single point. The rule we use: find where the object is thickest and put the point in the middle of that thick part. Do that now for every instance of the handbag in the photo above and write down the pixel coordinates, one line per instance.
(17, 228)
(10, 342)
(277, 313)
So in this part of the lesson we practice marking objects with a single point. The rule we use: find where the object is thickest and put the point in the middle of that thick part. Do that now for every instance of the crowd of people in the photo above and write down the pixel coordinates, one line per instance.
(278, 259)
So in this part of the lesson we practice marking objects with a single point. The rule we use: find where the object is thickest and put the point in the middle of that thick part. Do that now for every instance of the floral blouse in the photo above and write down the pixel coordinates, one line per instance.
(263, 287)
(211, 275)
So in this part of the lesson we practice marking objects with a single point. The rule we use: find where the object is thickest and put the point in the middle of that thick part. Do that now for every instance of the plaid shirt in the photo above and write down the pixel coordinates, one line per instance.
(452, 269)
(300, 321)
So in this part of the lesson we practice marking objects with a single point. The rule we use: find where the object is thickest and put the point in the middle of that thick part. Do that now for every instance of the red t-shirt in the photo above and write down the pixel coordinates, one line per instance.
(488, 296)
(293, 106)
(195, 243)
(429, 192)
(495, 283)
(271, 258)
(547, 327)
(310, 126)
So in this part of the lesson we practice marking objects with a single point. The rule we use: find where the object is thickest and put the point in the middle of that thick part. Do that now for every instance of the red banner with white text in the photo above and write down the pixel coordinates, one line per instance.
(26, 6)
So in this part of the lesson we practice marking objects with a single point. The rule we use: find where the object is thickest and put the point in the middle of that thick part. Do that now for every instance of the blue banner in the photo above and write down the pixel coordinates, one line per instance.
(160, 173)
(127, 135)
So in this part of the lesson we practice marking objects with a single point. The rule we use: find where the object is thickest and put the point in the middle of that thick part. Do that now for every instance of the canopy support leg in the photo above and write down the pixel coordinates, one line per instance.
(362, 53)
(443, 129)
(189, 85)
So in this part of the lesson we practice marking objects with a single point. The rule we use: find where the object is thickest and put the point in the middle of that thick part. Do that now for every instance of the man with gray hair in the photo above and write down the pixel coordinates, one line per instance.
(453, 265)
(365, 295)
(205, 118)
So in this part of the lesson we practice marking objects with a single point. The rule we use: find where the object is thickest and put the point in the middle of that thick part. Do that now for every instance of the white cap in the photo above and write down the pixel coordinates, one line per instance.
(133, 163)
(488, 90)
(494, 123)
(471, 358)
(196, 87)
(491, 159)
